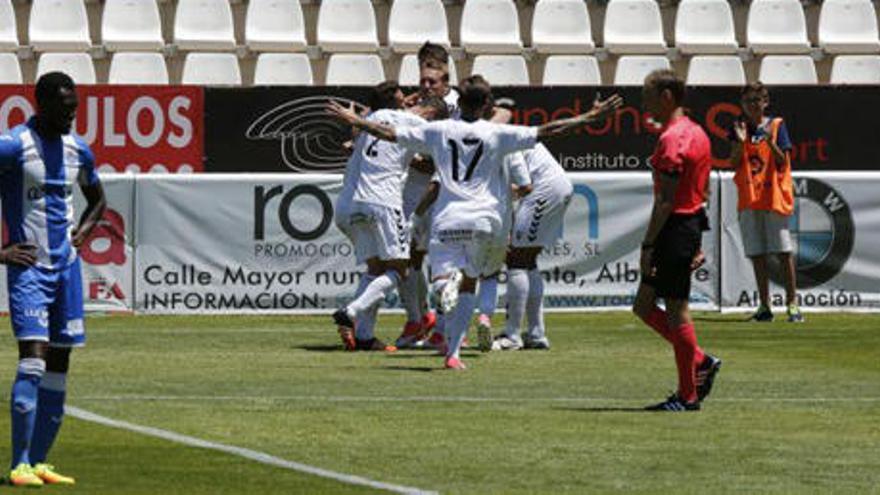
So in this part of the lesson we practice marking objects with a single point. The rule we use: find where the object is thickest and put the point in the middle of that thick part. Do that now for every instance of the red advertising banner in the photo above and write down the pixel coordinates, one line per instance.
(129, 128)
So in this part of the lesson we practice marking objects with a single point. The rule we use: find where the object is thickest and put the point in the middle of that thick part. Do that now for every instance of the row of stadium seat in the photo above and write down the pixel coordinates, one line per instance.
(487, 26)
(367, 69)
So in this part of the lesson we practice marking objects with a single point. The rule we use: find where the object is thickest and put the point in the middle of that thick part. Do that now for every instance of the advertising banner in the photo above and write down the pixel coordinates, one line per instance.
(287, 130)
(240, 244)
(129, 128)
(835, 229)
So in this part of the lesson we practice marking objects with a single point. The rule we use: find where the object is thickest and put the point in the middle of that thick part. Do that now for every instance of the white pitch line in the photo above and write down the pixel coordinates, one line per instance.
(249, 454)
(440, 398)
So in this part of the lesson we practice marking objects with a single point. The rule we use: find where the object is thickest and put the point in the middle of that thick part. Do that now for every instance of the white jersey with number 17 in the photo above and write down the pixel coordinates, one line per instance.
(470, 158)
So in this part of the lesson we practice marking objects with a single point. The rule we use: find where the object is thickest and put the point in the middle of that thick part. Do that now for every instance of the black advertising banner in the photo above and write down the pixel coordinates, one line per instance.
(287, 130)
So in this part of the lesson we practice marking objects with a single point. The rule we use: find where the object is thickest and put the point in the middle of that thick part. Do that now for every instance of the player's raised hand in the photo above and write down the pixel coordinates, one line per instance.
(347, 114)
(603, 108)
(19, 254)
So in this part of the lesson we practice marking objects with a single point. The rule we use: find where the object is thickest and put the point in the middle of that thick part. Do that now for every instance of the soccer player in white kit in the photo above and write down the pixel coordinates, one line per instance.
(469, 156)
(537, 224)
(369, 211)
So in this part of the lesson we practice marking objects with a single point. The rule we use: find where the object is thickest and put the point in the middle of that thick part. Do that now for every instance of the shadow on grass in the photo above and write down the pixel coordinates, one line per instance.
(321, 347)
(421, 369)
(720, 319)
(604, 409)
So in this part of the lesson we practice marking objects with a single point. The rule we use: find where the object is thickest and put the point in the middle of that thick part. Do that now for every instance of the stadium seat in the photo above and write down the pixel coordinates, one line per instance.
(490, 26)
(572, 70)
(76, 65)
(138, 68)
(283, 69)
(562, 26)
(354, 70)
(8, 26)
(413, 22)
(204, 25)
(347, 26)
(856, 69)
(409, 71)
(634, 26)
(705, 26)
(502, 70)
(131, 25)
(10, 71)
(59, 25)
(275, 25)
(848, 26)
(211, 69)
(716, 71)
(777, 26)
(780, 70)
(632, 69)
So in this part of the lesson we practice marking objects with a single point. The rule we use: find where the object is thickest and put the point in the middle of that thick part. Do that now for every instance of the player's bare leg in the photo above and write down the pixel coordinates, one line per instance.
(764, 313)
(790, 274)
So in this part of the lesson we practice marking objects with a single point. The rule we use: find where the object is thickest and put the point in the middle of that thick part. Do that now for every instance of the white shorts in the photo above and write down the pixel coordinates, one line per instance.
(376, 232)
(470, 251)
(764, 232)
(538, 219)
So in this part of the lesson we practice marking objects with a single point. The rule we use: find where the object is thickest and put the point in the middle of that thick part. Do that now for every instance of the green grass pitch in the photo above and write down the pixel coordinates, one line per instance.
(796, 409)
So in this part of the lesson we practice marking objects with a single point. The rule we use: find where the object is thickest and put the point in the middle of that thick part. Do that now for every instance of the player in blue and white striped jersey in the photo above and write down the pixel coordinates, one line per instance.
(40, 162)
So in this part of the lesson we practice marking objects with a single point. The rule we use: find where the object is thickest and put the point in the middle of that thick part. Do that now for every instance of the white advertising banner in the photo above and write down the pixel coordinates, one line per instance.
(836, 233)
(108, 255)
(267, 243)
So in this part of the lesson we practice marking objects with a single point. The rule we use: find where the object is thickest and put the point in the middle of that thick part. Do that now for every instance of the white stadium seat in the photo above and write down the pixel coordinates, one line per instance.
(59, 25)
(347, 26)
(856, 69)
(632, 70)
(78, 66)
(562, 26)
(138, 68)
(705, 26)
(490, 26)
(211, 69)
(634, 26)
(354, 70)
(848, 26)
(502, 70)
(413, 22)
(283, 69)
(275, 25)
(409, 71)
(204, 25)
(131, 25)
(722, 70)
(10, 71)
(8, 26)
(572, 70)
(780, 70)
(777, 26)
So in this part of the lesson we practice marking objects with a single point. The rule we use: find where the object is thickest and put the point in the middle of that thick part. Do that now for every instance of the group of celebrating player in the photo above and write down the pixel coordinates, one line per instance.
(438, 172)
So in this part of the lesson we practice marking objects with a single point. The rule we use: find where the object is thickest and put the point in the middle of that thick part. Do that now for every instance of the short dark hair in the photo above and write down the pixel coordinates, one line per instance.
(441, 109)
(665, 79)
(756, 88)
(475, 92)
(384, 95)
(49, 84)
(433, 55)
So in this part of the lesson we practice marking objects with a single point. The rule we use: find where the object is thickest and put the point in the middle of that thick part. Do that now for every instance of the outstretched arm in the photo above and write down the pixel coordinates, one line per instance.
(350, 116)
(600, 110)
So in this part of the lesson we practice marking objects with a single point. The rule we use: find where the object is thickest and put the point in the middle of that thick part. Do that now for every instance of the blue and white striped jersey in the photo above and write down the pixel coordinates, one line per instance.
(36, 184)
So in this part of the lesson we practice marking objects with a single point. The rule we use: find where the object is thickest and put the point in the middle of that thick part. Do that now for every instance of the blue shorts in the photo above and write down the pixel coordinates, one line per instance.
(47, 305)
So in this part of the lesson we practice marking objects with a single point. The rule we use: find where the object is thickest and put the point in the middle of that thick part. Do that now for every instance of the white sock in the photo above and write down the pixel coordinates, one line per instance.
(421, 290)
(457, 323)
(409, 296)
(535, 304)
(375, 292)
(488, 295)
(365, 325)
(440, 326)
(517, 294)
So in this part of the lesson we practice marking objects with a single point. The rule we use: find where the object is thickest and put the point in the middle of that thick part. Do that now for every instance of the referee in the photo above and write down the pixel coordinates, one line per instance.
(681, 163)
